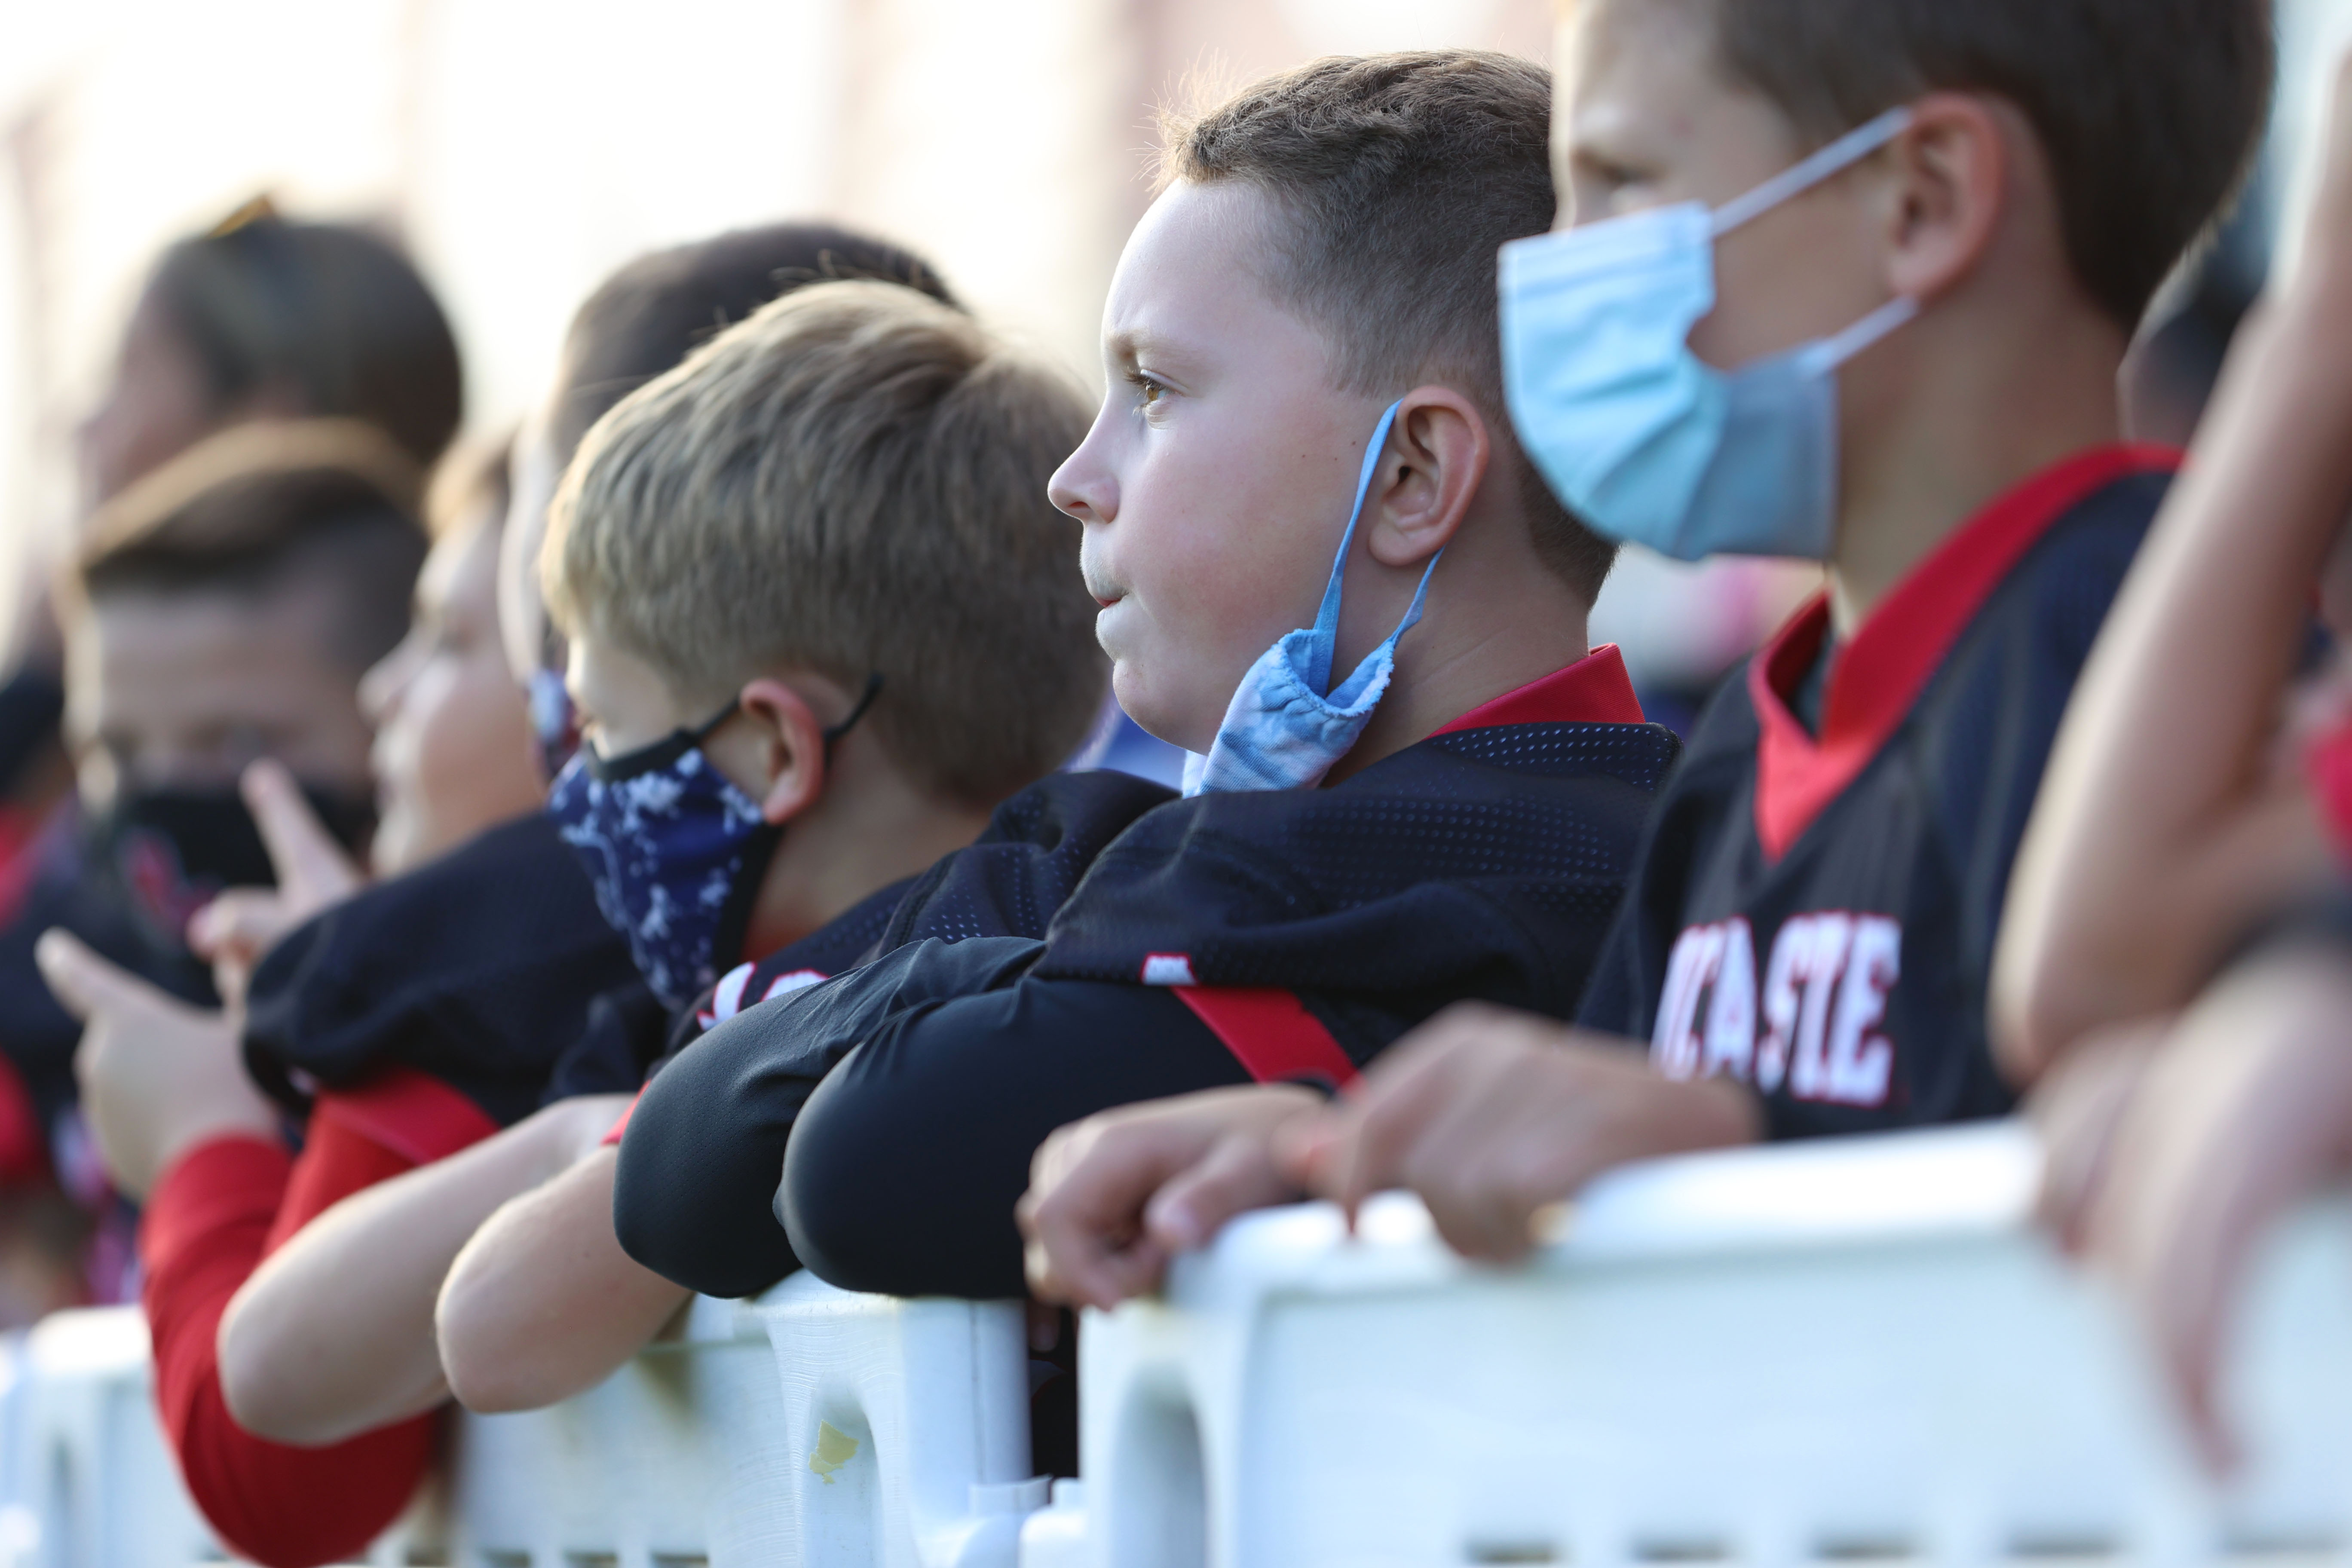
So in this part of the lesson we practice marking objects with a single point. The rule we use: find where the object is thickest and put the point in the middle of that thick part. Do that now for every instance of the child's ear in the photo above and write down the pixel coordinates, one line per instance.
(1952, 179)
(1429, 474)
(781, 747)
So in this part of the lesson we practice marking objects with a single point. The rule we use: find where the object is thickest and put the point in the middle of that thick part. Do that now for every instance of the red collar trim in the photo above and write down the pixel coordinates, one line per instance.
(1881, 672)
(1594, 690)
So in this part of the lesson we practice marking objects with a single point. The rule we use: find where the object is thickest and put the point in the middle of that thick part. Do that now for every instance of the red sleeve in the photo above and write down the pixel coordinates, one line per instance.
(2327, 764)
(612, 1140)
(208, 1223)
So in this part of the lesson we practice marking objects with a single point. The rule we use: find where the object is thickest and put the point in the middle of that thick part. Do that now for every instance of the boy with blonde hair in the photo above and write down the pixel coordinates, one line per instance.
(821, 620)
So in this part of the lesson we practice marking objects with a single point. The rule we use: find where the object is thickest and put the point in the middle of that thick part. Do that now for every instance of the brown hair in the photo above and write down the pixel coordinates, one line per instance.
(2148, 110)
(653, 312)
(1401, 176)
(851, 482)
(328, 311)
(259, 507)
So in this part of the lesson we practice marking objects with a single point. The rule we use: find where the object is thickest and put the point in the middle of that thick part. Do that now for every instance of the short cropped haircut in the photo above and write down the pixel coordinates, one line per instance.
(330, 313)
(1399, 178)
(852, 482)
(2149, 111)
(266, 506)
(653, 312)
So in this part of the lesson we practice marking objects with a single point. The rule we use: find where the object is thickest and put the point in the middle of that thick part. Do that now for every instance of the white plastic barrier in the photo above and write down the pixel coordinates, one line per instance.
(808, 1428)
(910, 1421)
(1857, 1351)
(90, 1481)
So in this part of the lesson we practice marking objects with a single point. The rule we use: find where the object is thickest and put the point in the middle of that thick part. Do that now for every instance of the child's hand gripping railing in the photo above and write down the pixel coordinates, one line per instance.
(1845, 1353)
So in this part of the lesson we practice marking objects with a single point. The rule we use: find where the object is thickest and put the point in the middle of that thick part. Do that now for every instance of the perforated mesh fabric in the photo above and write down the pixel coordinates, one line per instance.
(1484, 862)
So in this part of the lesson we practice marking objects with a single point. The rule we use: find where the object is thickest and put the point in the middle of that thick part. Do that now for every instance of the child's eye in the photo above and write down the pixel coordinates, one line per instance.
(1148, 389)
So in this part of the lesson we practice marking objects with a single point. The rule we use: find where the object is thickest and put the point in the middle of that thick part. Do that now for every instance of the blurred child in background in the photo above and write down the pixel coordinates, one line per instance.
(261, 318)
(267, 319)
(224, 610)
(408, 1021)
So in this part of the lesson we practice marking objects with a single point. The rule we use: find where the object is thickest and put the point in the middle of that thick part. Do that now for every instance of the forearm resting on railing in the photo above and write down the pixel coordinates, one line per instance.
(334, 1334)
(543, 1303)
(2163, 827)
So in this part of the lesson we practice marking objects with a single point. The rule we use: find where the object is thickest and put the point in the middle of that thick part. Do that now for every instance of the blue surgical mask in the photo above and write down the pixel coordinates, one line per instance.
(676, 851)
(555, 726)
(1287, 723)
(1639, 437)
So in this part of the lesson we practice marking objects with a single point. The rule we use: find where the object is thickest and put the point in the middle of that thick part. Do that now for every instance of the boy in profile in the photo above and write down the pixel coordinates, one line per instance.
(1841, 279)
(821, 621)
(1428, 790)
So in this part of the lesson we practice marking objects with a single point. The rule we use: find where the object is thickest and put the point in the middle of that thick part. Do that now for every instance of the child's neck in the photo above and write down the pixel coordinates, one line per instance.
(1974, 408)
(870, 829)
(1497, 619)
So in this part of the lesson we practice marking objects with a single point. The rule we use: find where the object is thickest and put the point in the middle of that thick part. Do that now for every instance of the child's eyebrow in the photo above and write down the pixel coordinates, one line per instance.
(1136, 345)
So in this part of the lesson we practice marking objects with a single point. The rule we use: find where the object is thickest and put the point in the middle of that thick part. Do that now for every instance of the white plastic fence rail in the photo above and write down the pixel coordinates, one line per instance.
(810, 1426)
(1846, 1355)
(1838, 1353)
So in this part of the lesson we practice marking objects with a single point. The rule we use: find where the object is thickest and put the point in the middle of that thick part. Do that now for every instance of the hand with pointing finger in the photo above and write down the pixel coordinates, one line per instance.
(235, 930)
(158, 1077)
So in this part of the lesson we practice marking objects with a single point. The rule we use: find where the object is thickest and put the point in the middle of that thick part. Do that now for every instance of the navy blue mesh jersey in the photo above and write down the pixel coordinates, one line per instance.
(1231, 937)
(1009, 881)
(1813, 907)
(1310, 928)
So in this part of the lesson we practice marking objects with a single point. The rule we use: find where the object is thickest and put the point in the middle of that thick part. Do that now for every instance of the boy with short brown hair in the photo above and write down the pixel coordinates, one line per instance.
(1387, 813)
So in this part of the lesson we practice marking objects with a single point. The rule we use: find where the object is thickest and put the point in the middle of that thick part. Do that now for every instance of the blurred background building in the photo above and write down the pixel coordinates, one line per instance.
(522, 149)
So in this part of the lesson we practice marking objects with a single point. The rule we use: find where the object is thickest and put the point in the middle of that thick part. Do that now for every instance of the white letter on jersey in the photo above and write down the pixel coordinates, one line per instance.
(1731, 1011)
(1860, 1062)
(1673, 1049)
(1826, 992)
(1823, 958)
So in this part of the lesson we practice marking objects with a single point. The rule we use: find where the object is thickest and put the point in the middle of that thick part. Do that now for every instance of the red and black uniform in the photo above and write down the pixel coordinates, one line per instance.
(413, 1020)
(1232, 937)
(1814, 905)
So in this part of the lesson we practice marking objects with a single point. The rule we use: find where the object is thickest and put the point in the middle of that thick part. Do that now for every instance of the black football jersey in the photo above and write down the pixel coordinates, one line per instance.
(1812, 909)
(1189, 944)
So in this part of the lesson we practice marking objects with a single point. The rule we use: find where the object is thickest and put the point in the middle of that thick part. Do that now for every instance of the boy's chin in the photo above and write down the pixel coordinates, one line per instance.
(1154, 715)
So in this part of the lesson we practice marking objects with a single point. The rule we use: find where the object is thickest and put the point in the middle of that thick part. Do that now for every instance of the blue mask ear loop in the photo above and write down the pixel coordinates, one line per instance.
(1327, 617)
(1810, 171)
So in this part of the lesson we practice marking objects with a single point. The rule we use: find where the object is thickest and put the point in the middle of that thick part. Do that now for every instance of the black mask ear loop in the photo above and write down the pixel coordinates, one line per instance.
(865, 701)
(760, 851)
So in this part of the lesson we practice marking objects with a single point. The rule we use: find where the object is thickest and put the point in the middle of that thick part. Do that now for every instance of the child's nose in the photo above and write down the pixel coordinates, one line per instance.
(1083, 486)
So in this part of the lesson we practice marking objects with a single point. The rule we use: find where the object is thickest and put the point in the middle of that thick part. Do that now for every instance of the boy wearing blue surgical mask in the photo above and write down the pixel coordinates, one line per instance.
(1847, 280)
(1325, 568)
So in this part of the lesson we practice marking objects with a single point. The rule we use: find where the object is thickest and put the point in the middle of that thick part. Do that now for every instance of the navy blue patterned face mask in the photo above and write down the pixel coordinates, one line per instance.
(676, 851)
